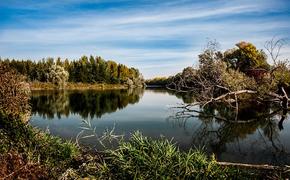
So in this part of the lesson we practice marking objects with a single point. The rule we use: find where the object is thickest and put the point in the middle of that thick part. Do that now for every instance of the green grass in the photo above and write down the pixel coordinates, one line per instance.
(144, 158)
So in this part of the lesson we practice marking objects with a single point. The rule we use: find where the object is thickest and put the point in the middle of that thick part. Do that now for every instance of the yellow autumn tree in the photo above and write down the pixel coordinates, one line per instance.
(246, 57)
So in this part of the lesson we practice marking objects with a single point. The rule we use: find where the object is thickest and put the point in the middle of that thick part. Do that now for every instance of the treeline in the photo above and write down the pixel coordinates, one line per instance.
(158, 81)
(86, 70)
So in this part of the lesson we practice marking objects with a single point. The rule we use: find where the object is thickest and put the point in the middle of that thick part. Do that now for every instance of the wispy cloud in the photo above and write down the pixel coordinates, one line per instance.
(145, 34)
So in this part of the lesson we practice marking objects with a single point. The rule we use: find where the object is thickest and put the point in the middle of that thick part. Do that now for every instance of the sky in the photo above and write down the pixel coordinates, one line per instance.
(159, 37)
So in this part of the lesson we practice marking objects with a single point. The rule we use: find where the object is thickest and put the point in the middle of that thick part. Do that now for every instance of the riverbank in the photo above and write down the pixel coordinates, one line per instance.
(29, 153)
(76, 86)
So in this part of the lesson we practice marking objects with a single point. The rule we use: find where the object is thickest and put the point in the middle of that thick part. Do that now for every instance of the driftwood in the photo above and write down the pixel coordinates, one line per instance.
(284, 99)
(188, 110)
(235, 93)
(256, 166)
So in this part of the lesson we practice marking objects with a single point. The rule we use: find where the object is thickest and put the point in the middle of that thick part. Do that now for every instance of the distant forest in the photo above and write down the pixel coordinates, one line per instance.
(86, 70)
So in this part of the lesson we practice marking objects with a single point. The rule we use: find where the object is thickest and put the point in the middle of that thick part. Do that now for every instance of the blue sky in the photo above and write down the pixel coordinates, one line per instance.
(159, 37)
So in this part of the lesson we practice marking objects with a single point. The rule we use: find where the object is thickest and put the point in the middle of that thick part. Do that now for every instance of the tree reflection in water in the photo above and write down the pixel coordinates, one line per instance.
(257, 128)
(87, 103)
(257, 136)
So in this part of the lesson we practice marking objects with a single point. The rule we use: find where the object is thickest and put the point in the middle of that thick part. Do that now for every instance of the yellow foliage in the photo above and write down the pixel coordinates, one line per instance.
(250, 57)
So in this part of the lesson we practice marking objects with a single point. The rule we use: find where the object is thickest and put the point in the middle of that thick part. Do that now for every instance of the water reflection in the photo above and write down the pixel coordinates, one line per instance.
(255, 136)
(262, 138)
(49, 104)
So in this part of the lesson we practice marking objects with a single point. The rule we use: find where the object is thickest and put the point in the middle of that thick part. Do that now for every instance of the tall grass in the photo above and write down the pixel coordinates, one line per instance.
(144, 158)
(141, 157)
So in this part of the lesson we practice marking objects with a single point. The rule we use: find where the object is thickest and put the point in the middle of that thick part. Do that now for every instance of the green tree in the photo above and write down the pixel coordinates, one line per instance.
(112, 71)
(86, 70)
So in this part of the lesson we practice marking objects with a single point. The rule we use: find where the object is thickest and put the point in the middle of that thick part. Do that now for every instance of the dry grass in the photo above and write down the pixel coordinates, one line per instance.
(15, 166)
(76, 86)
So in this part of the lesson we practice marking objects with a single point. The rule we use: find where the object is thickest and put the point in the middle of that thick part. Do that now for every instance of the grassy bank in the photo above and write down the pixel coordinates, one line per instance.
(76, 86)
(31, 154)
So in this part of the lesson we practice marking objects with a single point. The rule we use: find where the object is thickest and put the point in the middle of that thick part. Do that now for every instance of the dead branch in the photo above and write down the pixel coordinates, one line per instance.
(256, 166)
(235, 93)
(285, 99)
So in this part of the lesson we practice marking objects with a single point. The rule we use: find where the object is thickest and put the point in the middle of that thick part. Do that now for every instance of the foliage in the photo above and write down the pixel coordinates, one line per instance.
(242, 68)
(235, 80)
(57, 75)
(161, 81)
(14, 94)
(246, 57)
(281, 74)
(86, 70)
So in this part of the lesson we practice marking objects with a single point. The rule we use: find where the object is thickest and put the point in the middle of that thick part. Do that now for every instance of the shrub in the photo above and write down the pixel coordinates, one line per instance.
(235, 80)
(14, 94)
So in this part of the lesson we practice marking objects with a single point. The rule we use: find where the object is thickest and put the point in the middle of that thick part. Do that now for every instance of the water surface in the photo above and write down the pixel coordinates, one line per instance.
(260, 141)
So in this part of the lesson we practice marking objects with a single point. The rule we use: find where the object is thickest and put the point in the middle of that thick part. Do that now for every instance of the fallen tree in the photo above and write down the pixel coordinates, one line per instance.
(238, 75)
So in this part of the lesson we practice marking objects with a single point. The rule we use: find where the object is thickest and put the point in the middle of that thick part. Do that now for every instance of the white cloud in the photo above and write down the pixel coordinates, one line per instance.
(132, 37)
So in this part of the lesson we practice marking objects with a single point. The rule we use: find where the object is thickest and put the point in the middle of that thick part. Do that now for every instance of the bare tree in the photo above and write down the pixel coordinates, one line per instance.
(274, 47)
